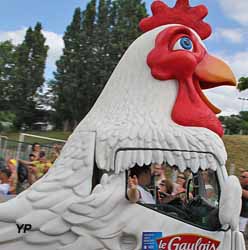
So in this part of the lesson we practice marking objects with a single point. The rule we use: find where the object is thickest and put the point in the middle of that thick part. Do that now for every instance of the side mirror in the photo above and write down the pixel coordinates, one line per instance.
(230, 203)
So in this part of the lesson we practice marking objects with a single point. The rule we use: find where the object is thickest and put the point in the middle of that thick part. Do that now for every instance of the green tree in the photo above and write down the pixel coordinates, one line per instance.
(102, 46)
(94, 42)
(242, 83)
(244, 127)
(65, 85)
(7, 69)
(236, 124)
(31, 56)
(95, 57)
(126, 15)
(74, 77)
(243, 115)
(233, 124)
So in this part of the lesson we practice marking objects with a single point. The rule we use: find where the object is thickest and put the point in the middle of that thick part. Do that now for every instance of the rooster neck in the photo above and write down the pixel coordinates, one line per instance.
(135, 111)
(192, 109)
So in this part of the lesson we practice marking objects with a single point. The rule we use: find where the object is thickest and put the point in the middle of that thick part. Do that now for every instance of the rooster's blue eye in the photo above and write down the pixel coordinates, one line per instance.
(183, 43)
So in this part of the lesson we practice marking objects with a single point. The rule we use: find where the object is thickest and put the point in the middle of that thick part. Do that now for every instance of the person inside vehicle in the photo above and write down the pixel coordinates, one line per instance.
(139, 179)
(158, 173)
(165, 188)
(180, 184)
(211, 195)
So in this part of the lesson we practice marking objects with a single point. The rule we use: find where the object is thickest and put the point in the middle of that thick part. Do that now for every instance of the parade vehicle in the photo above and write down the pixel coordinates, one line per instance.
(151, 111)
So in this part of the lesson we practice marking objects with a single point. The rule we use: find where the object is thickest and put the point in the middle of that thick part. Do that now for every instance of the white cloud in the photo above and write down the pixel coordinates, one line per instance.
(56, 45)
(236, 10)
(232, 35)
(238, 62)
(53, 40)
(225, 97)
(16, 36)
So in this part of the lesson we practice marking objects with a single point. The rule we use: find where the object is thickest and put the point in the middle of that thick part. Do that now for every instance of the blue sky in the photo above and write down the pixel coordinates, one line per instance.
(228, 18)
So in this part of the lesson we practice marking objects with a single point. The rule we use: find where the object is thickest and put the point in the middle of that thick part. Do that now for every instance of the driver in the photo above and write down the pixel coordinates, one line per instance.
(139, 179)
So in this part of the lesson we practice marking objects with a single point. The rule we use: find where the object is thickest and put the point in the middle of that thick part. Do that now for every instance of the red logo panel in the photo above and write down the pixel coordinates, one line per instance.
(187, 242)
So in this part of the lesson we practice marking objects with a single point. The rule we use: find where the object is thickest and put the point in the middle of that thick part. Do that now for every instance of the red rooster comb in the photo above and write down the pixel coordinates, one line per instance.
(181, 13)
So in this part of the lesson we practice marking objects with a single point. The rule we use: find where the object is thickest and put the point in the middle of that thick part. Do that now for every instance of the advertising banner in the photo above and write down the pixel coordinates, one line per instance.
(149, 240)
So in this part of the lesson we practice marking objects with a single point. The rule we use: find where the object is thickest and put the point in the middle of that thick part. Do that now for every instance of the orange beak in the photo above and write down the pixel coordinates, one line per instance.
(212, 72)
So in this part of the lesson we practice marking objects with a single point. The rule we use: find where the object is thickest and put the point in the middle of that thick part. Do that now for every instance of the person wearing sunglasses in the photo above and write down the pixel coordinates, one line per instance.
(243, 178)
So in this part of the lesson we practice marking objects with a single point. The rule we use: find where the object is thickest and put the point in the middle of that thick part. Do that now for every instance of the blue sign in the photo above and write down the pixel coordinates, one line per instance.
(149, 240)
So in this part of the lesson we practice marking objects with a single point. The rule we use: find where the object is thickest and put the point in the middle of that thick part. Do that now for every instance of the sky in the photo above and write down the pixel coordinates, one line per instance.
(229, 40)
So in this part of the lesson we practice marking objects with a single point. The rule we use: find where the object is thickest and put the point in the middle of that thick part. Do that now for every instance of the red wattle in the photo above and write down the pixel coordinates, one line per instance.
(190, 109)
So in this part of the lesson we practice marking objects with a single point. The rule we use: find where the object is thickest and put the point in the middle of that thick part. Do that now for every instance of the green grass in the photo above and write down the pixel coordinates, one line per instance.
(237, 150)
(236, 145)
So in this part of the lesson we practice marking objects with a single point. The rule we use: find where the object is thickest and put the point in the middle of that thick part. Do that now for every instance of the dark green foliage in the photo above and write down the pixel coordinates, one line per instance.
(7, 70)
(94, 43)
(30, 55)
(66, 85)
(243, 125)
(236, 124)
(125, 19)
(6, 116)
(243, 83)
(6, 120)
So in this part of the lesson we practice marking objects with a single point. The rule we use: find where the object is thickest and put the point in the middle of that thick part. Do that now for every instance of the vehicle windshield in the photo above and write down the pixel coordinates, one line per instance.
(187, 196)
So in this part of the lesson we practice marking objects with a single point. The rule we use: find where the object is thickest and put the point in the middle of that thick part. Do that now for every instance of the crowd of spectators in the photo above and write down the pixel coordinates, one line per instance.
(16, 175)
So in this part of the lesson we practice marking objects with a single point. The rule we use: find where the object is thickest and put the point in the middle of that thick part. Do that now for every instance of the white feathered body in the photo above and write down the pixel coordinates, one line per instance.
(133, 111)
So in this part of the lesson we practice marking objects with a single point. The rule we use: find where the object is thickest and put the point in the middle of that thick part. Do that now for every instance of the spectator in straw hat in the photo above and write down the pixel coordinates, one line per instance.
(12, 165)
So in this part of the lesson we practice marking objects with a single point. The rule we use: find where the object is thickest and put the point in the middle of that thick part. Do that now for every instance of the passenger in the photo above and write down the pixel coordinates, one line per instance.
(205, 177)
(139, 179)
(158, 173)
(180, 184)
(165, 188)
(210, 191)
(211, 195)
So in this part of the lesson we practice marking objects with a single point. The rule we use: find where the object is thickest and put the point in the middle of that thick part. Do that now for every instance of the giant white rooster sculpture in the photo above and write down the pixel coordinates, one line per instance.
(152, 100)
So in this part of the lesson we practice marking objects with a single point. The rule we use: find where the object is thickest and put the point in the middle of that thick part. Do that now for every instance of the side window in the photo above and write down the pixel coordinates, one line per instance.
(210, 190)
(187, 196)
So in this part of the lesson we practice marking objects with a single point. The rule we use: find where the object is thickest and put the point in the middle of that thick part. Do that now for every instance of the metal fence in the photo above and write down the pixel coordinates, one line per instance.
(19, 149)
